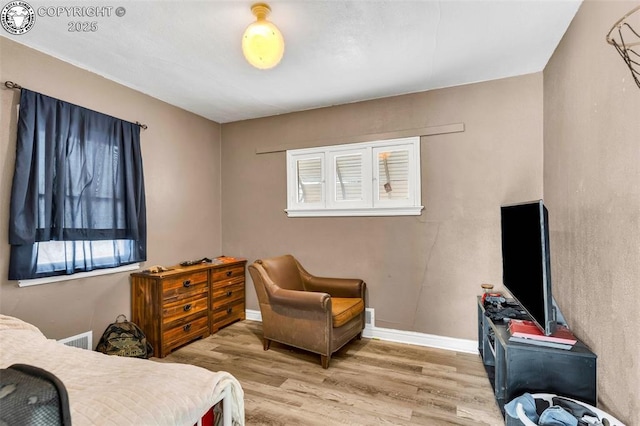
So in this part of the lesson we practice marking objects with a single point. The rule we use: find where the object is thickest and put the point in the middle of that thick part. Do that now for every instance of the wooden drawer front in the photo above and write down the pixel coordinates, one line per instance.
(183, 308)
(185, 331)
(224, 274)
(226, 314)
(183, 286)
(229, 282)
(227, 294)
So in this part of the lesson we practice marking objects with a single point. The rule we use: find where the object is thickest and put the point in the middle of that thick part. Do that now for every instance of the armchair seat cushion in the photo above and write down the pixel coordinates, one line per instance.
(344, 309)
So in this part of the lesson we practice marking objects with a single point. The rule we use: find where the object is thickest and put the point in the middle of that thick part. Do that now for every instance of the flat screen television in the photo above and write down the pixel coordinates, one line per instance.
(526, 269)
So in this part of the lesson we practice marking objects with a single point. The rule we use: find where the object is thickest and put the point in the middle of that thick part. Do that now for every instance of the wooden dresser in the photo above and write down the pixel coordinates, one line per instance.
(183, 304)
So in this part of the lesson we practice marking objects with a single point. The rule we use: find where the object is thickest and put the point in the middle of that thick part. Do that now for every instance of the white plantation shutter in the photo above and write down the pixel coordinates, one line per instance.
(305, 181)
(393, 174)
(348, 177)
(309, 174)
(397, 176)
(350, 184)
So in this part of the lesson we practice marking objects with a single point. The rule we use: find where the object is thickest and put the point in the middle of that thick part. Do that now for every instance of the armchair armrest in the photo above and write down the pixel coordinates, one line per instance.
(303, 300)
(336, 287)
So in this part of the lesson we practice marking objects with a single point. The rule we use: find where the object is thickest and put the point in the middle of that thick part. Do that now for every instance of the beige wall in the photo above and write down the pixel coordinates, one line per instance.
(181, 155)
(592, 189)
(423, 272)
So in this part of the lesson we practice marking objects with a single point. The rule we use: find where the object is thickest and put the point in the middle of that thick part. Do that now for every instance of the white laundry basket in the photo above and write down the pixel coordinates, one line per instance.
(522, 417)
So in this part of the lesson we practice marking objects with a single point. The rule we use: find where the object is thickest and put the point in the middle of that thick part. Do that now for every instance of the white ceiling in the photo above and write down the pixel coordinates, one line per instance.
(188, 53)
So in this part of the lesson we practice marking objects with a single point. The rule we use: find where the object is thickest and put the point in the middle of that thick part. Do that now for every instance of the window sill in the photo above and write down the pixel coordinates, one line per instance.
(386, 211)
(97, 272)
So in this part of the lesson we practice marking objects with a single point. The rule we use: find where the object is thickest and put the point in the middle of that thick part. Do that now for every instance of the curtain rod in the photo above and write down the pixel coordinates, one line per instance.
(15, 86)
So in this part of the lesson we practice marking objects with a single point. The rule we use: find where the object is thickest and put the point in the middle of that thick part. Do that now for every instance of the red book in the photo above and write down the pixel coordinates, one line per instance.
(528, 330)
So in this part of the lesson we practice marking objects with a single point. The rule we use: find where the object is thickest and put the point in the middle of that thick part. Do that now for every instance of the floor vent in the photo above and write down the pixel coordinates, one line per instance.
(369, 318)
(82, 340)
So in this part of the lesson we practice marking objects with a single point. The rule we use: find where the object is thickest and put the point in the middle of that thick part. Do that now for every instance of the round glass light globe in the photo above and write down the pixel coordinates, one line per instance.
(263, 44)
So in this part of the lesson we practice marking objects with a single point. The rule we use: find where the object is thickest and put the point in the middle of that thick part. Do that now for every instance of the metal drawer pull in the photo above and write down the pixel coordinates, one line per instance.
(187, 327)
(187, 307)
(186, 283)
(229, 310)
(229, 293)
(229, 273)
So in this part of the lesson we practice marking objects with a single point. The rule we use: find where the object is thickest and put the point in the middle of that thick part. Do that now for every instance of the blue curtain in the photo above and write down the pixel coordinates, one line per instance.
(77, 200)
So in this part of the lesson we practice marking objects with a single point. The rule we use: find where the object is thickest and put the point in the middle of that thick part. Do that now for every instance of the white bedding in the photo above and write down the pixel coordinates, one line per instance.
(112, 390)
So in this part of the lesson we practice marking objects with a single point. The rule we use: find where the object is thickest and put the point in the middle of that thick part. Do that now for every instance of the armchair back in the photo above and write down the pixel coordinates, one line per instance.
(283, 271)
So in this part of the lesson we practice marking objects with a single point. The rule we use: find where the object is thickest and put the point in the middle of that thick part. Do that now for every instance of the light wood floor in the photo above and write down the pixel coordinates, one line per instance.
(369, 382)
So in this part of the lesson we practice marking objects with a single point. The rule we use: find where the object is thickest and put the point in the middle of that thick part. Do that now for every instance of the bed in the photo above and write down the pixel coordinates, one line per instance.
(112, 390)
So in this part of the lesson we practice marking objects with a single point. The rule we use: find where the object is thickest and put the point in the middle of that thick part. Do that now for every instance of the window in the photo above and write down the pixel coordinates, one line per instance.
(77, 201)
(380, 178)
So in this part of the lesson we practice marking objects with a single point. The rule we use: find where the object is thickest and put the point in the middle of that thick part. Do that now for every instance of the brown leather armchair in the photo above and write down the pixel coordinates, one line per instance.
(316, 314)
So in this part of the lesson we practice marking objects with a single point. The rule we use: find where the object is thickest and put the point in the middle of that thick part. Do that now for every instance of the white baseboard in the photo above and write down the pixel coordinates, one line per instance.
(253, 315)
(402, 336)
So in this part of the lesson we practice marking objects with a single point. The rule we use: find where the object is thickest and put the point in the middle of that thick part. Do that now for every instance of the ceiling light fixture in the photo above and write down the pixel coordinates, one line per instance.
(262, 42)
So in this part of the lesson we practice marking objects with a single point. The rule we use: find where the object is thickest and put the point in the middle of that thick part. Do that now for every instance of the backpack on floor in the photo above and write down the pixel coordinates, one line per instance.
(124, 338)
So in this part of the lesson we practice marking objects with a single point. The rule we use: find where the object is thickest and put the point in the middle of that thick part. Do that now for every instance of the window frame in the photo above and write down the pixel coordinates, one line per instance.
(371, 204)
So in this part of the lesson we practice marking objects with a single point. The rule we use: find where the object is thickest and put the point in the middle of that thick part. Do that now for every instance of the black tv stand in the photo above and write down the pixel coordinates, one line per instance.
(514, 368)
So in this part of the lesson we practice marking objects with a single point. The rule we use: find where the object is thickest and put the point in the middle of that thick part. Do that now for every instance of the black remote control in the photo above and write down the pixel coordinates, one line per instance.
(195, 262)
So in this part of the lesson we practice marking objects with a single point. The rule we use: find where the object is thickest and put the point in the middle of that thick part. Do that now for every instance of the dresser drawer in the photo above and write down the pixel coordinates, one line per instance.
(184, 307)
(228, 313)
(184, 286)
(226, 273)
(185, 330)
(227, 294)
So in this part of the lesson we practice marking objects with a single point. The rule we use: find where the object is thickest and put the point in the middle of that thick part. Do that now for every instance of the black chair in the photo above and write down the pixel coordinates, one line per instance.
(32, 396)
